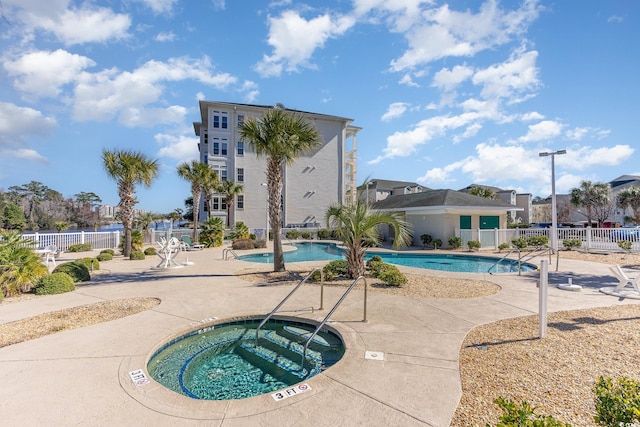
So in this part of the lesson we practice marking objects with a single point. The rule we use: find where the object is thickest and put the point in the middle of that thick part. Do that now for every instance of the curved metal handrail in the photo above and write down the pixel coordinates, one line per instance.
(306, 344)
(284, 300)
(503, 258)
(228, 251)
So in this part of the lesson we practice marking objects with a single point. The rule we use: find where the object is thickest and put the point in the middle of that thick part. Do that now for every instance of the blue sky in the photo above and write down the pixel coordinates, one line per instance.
(447, 93)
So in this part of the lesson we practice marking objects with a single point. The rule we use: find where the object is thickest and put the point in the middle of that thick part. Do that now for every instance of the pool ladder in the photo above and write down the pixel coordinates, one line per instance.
(226, 252)
(528, 256)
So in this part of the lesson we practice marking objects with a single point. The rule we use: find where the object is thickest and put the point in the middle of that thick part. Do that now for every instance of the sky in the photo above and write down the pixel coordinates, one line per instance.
(447, 94)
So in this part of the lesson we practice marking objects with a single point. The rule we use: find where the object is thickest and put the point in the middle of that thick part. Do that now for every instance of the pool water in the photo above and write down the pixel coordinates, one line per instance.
(221, 362)
(443, 262)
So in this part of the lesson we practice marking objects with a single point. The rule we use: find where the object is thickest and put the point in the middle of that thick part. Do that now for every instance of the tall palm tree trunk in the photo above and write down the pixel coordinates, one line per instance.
(274, 180)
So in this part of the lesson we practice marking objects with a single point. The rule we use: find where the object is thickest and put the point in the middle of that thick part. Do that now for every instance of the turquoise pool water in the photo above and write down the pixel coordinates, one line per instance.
(312, 251)
(222, 362)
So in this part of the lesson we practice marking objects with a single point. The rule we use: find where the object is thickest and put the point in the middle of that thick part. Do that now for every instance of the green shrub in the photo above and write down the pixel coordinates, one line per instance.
(376, 267)
(240, 231)
(305, 235)
(212, 234)
(523, 416)
(78, 271)
(259, 244)
(137, 241)
(375, 258)
(571, 243)
(437, 243)
(104, 257)
(537, 240)
(392, 276)
(79, 247)
(150, 251)
(617, 402)
(519, 242)
(292, 234)
(136, 255)
(473, 244)
(455, 242)
(91, 263)
(503, 246)
(426, 239)
(108, 251)
(625, 245)
(335, 269)
(324, 234)
(55, 283)
(242, 244)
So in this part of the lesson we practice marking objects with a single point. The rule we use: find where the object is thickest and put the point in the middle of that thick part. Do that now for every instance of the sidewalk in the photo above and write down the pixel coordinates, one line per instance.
(81, 376)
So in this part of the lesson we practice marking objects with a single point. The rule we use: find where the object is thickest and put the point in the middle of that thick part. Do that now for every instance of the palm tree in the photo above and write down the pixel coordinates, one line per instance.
(20, 267)
(630, 197)
(356, 224)
(590, 196)
(485, 192)
(210, 188)
(281, 137)
(199, 175)
(129, 168)
(230, 190)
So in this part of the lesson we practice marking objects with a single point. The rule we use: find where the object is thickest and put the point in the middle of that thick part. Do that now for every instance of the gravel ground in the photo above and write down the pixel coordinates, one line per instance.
(502, 359)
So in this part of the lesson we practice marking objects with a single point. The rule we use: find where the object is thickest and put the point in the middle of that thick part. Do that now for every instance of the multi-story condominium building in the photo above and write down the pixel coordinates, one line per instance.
(312, 183)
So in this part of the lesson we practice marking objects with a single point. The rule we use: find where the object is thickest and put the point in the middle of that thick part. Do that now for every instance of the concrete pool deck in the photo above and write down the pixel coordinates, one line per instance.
(81, 376)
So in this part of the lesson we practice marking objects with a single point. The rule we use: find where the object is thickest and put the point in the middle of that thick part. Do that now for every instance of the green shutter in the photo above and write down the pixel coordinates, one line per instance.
(465, 222)
(489, 222)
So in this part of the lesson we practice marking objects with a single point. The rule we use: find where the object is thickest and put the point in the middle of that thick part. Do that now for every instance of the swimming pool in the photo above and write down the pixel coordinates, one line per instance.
(313, 251)
(222, 361)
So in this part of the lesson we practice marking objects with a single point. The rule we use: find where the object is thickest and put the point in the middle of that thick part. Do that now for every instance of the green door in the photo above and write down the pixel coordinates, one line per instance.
(489, 222)
(465, 222)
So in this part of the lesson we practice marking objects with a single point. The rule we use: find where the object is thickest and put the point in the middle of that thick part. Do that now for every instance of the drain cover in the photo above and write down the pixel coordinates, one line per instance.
(374, 355)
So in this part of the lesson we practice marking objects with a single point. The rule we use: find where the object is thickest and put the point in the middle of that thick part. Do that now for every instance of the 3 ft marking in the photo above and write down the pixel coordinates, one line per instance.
(291, 391)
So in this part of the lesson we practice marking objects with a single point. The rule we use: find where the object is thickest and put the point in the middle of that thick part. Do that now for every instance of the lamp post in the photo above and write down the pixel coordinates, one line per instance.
(266, 238)
(554, 219)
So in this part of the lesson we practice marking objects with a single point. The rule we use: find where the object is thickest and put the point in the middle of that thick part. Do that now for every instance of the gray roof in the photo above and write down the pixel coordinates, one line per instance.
(489, 187)
(625, 181)
(445, 198)
(386, 184)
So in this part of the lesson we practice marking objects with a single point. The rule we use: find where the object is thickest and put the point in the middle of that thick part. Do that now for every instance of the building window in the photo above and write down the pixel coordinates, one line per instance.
(220, 146)
(216, 203)
(240, 119)
(240, 202)
(223, 174)
(223, 147)
(206, 159)
(216, 146)
(240, 175)
(223, 201)
(220, 120)
(240, 148)
(221, 170)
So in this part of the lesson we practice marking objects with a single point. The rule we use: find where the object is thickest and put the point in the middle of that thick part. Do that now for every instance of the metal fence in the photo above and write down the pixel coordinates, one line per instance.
(597, 239)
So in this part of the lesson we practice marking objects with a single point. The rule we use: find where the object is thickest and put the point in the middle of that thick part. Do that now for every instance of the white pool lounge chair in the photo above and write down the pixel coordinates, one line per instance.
(188, 245)
(624, 279)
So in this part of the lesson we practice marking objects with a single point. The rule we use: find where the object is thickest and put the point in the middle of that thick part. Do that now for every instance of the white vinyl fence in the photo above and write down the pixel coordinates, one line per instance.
(596, 239)
(98, 240)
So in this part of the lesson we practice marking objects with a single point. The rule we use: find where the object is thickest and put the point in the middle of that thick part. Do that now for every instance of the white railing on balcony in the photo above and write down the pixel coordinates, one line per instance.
(597, 239)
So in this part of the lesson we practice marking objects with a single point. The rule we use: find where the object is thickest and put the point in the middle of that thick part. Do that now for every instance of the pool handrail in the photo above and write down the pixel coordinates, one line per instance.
(504, 257)
(306, 344)
(228, 251)
(300, 283)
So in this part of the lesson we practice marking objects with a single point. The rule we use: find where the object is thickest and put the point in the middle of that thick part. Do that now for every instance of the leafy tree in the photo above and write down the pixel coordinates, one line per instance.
(212, 233)
(229, 190)
(630, 198)
(281, 137)
(33, 193)
(86, 202)
(485, 192)
(590, 196)
(20, 268)
(129, 168)
(198, 174)
(144, 221)
(357, 225)
(12, 217)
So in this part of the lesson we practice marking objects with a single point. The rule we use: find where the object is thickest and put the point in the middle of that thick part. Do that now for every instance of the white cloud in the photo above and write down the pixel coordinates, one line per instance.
(516, 76)
(534, 115)
(165, 37)
(24, 154)
(160, 6)
(580, 133)
(581, 158)
(18, 121)
(181, 148)
(395, 110)
(85, 24)
(148, 117)
(448, 80)
(407, 80)
(109, 93)
(442, 32)
(294, 40)
(615, 19)
(542, 131)
(43, 73)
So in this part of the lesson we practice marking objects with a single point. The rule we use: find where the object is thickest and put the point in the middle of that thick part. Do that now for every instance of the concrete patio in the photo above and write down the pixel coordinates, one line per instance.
(81, 376)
